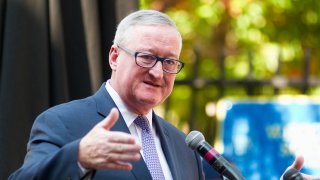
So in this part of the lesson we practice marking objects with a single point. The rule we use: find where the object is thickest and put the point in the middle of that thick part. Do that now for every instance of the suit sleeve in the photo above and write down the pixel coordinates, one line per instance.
(200, 168)
(52, 152)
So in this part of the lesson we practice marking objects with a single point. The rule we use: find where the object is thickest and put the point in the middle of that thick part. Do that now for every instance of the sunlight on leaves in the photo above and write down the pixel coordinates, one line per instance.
(271, 54)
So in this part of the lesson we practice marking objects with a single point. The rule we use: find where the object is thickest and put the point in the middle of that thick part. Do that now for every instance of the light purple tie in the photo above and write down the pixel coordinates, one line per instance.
(149, 149)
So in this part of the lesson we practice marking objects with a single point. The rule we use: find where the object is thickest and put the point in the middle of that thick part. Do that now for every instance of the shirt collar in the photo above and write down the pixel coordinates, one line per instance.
(127, 115)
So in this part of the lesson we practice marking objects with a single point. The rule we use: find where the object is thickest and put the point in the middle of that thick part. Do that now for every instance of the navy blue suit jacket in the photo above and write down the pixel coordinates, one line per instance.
(56, 133)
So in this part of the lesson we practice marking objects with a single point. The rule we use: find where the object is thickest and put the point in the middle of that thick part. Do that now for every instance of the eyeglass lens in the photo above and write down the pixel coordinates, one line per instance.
(148, 60)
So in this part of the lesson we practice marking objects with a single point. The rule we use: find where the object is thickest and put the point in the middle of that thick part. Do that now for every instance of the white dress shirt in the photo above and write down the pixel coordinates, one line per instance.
(135, 130)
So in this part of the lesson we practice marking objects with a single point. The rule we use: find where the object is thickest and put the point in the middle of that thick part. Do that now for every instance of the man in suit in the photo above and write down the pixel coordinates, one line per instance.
(115, 134)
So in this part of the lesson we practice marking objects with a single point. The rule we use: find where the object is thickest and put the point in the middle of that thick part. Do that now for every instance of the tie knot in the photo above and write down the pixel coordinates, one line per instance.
(142, 122)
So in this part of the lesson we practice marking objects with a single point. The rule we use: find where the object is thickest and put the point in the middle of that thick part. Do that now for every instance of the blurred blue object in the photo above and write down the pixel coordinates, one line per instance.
(262, 138)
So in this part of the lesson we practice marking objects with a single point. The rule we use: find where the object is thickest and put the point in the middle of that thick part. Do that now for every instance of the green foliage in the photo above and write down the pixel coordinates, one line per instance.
(270, 34)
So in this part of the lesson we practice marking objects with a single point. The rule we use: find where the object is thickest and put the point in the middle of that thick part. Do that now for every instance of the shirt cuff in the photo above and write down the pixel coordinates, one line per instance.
(83, 171)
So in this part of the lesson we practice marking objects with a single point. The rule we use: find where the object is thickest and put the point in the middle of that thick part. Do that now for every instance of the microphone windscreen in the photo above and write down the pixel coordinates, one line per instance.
(194, 138)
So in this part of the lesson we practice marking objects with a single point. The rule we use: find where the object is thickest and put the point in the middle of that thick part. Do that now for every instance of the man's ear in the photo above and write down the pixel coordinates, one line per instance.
(113, 57)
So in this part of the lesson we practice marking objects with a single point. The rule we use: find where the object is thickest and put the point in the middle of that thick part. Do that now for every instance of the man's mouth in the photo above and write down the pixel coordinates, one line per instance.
(152, 83)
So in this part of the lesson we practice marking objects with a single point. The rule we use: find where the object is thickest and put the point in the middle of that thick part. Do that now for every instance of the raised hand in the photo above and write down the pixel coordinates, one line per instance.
(297, 164)
(105, 149)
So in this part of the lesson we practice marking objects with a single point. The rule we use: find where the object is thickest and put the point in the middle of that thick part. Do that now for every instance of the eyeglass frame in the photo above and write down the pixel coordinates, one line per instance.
(136, 53)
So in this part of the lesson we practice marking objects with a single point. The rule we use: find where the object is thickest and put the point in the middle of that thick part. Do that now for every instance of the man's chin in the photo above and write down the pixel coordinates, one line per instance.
(150, 101)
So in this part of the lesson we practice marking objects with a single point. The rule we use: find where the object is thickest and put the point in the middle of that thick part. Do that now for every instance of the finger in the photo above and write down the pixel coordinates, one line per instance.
(119, 166)
(124, 157)
(298, 163)
(126, 148)
(121, 137)
(110, 120)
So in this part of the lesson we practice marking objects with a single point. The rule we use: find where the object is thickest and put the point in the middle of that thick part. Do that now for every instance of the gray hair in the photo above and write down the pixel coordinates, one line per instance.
(143, 17)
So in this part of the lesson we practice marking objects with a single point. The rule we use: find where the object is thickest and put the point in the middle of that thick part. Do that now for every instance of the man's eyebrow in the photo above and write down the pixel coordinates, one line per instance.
(151, 52)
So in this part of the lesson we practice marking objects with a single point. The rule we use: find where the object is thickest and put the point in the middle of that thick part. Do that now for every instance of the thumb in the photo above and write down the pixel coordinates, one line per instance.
(298, 163)
(110, 120)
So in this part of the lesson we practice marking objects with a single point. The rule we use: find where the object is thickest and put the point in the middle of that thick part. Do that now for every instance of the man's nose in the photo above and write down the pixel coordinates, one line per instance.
(157, 70)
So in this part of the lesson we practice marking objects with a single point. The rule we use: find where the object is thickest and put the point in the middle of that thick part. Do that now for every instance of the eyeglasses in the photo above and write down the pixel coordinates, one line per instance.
(146, 60)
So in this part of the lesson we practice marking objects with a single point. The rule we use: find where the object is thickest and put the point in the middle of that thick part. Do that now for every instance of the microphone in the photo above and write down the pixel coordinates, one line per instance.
(195, 140)
(292, 174)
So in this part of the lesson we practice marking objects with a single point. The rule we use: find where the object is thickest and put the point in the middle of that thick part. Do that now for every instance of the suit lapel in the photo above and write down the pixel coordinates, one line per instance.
(166, 144)
(140, 169)
(104, 104)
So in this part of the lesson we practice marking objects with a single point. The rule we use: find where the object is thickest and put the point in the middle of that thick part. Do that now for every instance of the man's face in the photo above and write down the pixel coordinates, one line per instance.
(144, 88)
